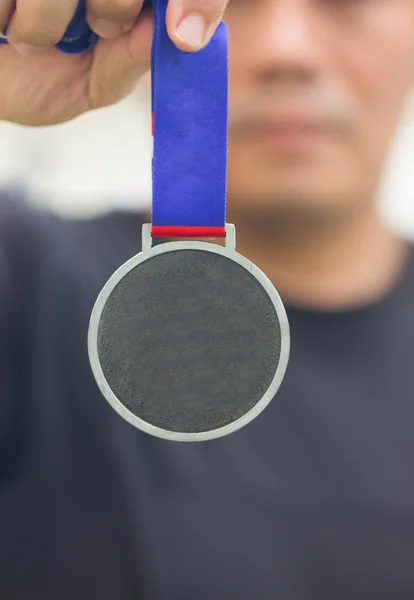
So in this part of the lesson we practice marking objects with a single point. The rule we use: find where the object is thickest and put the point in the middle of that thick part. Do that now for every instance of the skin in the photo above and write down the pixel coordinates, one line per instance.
(345, 66)
(41, 86)
(316, 92)
(315, 98)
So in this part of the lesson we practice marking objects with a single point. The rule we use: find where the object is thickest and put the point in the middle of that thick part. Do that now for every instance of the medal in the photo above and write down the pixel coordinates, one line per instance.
(188, 340)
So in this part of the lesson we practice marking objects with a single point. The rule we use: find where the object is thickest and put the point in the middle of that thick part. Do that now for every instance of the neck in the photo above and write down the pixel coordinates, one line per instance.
(334, 263)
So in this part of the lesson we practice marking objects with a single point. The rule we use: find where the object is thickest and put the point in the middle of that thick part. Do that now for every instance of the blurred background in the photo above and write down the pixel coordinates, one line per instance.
(102, 161)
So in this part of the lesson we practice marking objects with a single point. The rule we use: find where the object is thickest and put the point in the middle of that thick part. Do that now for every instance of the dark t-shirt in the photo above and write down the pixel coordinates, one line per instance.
(313, 500)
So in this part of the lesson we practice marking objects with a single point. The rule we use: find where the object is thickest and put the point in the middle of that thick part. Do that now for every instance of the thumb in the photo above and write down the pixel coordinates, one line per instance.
(119, 63)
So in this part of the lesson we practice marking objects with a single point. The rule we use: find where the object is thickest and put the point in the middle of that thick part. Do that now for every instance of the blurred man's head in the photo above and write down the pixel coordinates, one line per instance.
(316, 91)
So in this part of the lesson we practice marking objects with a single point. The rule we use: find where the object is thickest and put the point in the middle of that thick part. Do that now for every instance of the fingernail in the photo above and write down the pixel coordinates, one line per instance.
(192, 30)
(26, 49)
(107, 29)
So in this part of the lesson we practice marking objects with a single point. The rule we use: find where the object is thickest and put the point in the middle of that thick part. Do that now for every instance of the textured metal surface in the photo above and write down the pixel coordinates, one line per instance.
(189, 341)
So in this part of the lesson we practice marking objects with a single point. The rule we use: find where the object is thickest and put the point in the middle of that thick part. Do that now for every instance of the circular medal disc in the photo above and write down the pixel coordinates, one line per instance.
(188, 340)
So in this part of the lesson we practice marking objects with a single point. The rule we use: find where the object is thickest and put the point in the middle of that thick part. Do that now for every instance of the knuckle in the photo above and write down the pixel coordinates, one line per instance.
(215, 11)
(37, 33)
(126, 6)
(212, 9)
(5, 14)
(41, 23)
(117, 10)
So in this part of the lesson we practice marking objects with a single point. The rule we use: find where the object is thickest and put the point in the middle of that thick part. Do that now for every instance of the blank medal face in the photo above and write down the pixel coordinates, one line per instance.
(187, 343)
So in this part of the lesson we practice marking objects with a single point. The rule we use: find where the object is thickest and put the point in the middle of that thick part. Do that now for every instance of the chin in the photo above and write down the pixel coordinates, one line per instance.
(260, 197)
(286, 209)
(306, 191)
(324, 179)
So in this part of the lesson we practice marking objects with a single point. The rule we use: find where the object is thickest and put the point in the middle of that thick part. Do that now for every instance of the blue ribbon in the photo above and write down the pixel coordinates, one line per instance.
(189, 104)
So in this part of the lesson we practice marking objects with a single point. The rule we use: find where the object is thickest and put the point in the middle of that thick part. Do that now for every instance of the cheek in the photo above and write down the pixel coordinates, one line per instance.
(378, 70)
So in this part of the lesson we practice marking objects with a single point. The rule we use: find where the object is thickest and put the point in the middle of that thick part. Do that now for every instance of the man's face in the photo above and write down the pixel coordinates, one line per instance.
(316, 91)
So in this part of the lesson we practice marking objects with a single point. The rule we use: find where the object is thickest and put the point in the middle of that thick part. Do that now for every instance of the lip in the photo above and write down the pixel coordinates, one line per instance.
(288, 135)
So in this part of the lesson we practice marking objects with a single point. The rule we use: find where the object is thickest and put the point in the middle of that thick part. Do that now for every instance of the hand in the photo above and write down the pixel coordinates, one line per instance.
(41, 86)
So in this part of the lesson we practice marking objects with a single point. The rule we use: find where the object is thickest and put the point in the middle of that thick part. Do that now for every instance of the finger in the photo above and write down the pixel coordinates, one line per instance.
(120, 63)
(192, 23)
(38, 24)
(6, 9)
(111, 18)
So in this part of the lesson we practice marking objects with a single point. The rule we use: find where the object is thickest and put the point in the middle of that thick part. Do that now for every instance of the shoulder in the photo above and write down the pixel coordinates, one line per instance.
(32, 240)
(61, 264)
(51, 271)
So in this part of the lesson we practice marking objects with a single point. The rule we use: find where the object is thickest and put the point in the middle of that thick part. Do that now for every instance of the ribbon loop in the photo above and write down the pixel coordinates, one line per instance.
(190, 107)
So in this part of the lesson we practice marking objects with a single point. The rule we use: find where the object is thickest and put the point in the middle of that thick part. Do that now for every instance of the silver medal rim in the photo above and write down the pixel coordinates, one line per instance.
(117, 405)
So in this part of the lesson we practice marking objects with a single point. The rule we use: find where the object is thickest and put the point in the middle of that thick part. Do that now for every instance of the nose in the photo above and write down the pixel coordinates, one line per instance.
(287, 39)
